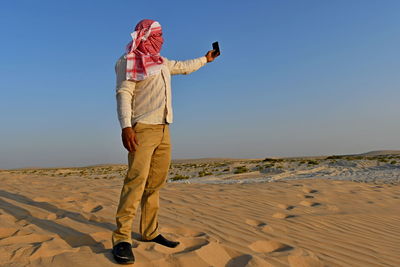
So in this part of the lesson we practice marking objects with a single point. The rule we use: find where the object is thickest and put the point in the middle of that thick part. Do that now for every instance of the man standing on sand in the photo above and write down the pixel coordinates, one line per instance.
(144, 108)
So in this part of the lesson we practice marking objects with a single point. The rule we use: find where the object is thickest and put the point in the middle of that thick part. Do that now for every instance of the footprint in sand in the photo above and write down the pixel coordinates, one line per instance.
(307, 203)
(309, 190)
(195, 249)
(190, 241)
(305, 196)
(186, 245)
(96, 209)
(280, 215)
(214, 254)
(304, 258)
(199, 249)
(255, 223)
(285, 206)
(182, 231)
(267, 229)
(266, 246)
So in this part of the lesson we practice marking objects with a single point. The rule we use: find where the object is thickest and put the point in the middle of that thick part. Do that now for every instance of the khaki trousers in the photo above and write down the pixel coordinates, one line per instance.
(147, 173)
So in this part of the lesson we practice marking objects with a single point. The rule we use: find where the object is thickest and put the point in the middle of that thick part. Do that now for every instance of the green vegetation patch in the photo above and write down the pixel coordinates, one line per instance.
(240, 169)
(204, 173)
(272, 160)
(269, 165)
(179, 177)
(346, 157)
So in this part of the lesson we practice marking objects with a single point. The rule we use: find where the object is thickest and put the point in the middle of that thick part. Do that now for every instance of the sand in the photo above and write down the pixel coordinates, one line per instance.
(67, 220)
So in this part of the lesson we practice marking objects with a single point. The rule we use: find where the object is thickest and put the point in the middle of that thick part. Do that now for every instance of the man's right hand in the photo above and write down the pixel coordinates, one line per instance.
(211, 56)
(129, 139)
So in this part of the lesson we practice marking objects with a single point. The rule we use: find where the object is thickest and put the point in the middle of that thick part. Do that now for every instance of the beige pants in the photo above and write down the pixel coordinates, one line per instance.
(147, 173)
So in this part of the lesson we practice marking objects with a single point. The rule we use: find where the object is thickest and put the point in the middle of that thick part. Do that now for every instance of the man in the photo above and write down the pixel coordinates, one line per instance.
(144, 108)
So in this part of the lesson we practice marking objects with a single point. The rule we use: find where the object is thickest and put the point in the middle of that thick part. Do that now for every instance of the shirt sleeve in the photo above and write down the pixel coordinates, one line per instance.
(124, 96)
(186, 66)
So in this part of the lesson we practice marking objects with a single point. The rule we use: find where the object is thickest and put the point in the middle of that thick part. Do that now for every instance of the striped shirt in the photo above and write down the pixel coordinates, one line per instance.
(149, 101)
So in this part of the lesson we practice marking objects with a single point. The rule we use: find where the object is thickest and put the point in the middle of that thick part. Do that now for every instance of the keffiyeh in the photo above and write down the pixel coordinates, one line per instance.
(143, 52)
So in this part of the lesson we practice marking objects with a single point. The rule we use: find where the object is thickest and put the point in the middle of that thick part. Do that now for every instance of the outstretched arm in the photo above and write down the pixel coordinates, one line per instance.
(191, 65)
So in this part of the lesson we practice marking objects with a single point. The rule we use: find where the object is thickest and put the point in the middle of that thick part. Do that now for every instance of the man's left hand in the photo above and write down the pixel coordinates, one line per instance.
(211, 56)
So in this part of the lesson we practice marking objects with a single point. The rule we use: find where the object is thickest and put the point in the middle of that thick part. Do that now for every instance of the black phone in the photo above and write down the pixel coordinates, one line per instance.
(215, 46)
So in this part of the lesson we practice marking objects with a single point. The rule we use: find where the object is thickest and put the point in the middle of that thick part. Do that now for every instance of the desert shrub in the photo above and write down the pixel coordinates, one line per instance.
(312, 162)
(393, 162)
(240, 169)
(179, 177)
(269, 165)
(272, 160)
(334, 157)
(354, 157)
(226, 170)
(204, 173)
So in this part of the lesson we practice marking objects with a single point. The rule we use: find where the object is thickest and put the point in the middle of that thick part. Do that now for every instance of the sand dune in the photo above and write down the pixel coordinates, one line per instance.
(66, 220)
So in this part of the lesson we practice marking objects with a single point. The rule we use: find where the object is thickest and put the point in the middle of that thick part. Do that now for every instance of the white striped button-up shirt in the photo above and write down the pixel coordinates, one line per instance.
(149, 101)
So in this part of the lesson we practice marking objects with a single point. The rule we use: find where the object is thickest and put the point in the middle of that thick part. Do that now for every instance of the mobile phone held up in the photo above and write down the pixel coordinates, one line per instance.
(215, 46)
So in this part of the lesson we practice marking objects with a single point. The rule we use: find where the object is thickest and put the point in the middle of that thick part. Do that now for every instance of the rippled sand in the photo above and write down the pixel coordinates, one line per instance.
(48, 218)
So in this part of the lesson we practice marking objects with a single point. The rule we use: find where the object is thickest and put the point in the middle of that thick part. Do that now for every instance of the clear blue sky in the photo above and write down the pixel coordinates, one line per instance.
(294, 78)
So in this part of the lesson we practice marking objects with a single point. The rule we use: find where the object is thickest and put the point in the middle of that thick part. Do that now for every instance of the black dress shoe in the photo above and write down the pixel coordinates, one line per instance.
(122, 253)
(163, 241)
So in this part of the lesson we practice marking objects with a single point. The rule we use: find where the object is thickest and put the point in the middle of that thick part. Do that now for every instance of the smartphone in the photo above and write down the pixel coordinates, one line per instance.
(215, 46)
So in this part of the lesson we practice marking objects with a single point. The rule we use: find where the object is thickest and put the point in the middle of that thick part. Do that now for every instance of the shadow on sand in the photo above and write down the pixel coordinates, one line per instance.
(73, 237)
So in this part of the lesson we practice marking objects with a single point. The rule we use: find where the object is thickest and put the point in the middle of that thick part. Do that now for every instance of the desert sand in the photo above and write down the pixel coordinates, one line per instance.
(322, 211)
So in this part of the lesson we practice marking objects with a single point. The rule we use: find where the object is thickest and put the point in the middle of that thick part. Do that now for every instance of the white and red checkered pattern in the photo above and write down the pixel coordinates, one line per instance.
(143, 52)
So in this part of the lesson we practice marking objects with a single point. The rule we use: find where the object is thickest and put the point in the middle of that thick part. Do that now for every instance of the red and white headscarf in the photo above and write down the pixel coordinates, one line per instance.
(143, 52)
